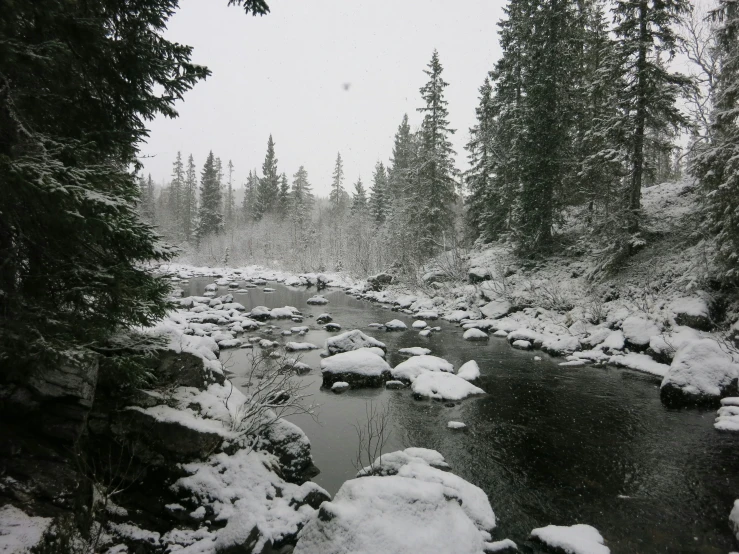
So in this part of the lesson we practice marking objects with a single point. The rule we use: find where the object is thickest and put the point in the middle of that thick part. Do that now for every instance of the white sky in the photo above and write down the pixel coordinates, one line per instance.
(284, 74)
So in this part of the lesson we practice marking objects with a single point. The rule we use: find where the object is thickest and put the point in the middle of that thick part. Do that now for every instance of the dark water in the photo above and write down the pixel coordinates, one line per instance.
(547, 444)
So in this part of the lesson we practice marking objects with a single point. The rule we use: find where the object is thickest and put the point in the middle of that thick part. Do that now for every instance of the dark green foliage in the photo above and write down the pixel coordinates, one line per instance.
(209, 214)
(359, 199)
(268, 186)
(189, 201)
(434, 189)
(379, 202)
(337, 196)
(283, 198)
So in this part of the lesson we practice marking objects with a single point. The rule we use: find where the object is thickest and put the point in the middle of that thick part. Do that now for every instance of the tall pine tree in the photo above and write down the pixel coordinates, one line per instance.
(435, 185)
(229, 209)
(337, 196)
(190, 201)
(209, 215)
(379, 204)
(176, 191)
(268, 187)
(359, 199)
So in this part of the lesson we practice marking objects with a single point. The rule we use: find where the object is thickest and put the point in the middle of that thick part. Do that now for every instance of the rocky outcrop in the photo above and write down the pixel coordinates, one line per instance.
(380, 281)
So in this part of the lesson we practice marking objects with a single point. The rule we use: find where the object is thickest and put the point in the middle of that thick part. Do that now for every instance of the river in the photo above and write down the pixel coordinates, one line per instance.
(549, 445)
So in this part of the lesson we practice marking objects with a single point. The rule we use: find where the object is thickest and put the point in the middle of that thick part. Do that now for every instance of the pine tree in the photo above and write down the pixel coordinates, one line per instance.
(147, 206)
(400, 239)
(268, 187)
(435, 189)
(190, 201)
(209, 215)
(379, 201)
(645, 32)
(229, 212)
(176, 193)
(717, 164)
(301, 196)
(283, 197)
(337, 196)
(359, 199)
(249, 202)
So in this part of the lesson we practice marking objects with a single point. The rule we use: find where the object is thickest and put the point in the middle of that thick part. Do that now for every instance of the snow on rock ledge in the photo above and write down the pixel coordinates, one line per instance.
(443, 386)
(359, 368)
(351, 340)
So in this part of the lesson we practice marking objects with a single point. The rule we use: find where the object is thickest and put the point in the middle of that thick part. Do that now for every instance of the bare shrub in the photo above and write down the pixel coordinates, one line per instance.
(372, 435)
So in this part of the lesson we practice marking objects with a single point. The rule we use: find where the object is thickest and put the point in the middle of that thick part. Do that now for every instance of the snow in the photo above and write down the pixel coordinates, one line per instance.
(396, 325)
(455, 425)
(730, 401)
(339, 386)
(427, 314)
(391, 515)
(242, 491)
(351, 340)
(415, 366)
(521, 344)
(360, 362)
(474, 334)
(692, 306)
(496, 309)
(702, 368)
(734, 519)
(19, 532)
(640, 362)
(419, 324)
(300, 346)
(414, 351)
(469, 371)
(443, 386)
(638, 329)
(390, 464)
(577, 539)
(500, 546)
(317, 300)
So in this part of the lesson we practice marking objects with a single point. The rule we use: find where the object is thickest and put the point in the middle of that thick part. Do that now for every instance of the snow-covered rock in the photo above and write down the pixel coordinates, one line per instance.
(300, 346)
(395, 325)
(414, 351)
(394, 385)
(19, 532)
(639, 329)
(640, 362)
(521, 344)
(324, 318)
(340, 386)
(416, 365)
(469, 371)
(427, 314)
(351, 340)
(391, 463)
(692, 311)
(475, 334)
(734, 519)
(456, 425)
(443, 386)
(576, 539)
(317, 300)
(360, 368)
(419, 324)
(496, 309)
(702, 371)
(332, 327)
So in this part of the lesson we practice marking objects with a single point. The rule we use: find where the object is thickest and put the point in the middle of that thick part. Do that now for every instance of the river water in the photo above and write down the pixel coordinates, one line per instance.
(549, 445)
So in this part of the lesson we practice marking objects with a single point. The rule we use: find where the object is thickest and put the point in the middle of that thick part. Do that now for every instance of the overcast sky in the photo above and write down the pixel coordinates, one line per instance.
(285, 74)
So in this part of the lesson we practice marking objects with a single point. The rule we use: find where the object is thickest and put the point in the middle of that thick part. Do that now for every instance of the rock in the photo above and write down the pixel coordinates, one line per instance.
(419, 324)
(332, 327)
(475, 334)
(414, 351)
(324, 318)
(469, 371)
(577, 539)
(434, 277)
(734, 519)
(340, 386)
(410, 369)
(300, 346)
(693, 312)
(496, 309)
(379, 281)
(443, 386)
(395, 325)
(638, 330)
(359, 368)
(521, 344)
(317, 300)
(456, 425)
(479, 274)
(351, 340)
(290, 444)
(394, 385)
(427, 314)
(701, 373)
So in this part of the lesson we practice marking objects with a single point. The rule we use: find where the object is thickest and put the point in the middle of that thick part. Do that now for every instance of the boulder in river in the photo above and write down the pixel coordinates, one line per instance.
(379, 281)
(351, 340)
(359, 368)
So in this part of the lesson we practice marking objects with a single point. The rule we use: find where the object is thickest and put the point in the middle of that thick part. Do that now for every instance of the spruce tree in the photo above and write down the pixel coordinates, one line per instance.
(434, 191)
(359, 199)
(176, 193)
(229, 211)
(337, 196)
(210, 218)
(717, 164)
(645, 32)
(249, 202)
(268, 187)
(301, 197)
(401, 241)
(190, 201)
(283, 198)
(379, 201)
